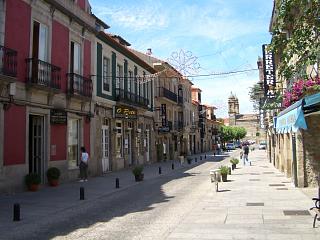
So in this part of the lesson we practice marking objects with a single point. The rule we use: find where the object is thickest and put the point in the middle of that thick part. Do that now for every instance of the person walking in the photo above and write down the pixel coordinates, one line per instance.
(84, 165)
(245, 154)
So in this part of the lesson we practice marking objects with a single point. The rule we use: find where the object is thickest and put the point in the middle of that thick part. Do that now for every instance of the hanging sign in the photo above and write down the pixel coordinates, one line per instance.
(125, 112)
(269, 72)
(58, 116)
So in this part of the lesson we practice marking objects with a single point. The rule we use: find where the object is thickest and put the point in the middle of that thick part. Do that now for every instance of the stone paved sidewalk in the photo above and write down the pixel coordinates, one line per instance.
(48, 200)
(256, 203)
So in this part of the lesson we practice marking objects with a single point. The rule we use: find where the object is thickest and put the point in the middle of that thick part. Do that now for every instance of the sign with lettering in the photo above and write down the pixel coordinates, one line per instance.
(58, 116)
(164, 129)
(269, 72)
(125, 112)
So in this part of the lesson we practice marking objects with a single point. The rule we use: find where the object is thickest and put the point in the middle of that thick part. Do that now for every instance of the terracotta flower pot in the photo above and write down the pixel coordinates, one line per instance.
(53, 182)
(33, 187)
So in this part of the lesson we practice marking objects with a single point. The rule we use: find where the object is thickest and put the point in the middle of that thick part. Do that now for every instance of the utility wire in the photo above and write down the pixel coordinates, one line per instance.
(224, 73)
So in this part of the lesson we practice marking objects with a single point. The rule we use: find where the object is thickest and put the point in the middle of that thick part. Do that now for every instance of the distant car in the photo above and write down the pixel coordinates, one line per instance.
(230, 146)
(262, 146)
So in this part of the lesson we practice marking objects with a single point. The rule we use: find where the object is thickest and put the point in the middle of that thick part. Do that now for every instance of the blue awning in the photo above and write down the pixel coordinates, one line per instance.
(312, 100)
(291, 119)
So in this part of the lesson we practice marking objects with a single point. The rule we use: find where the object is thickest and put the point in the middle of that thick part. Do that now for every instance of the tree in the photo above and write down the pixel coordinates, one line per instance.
(295, 36)
(256, 94)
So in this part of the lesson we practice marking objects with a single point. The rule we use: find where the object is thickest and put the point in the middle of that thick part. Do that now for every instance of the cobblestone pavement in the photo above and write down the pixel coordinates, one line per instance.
(178, 204)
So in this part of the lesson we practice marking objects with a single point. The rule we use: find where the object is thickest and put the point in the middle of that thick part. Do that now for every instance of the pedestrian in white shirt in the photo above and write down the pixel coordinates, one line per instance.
(84, 165)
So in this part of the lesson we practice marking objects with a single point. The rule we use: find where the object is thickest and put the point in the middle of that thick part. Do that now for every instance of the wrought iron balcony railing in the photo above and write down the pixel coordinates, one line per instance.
(8, 61)
(126, 96)
(43, 74)
(163, 92)
(79, 85)
(178, 125)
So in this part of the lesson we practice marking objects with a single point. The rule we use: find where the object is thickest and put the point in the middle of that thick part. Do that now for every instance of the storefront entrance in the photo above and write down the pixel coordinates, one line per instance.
(105, 148)
(36, 146)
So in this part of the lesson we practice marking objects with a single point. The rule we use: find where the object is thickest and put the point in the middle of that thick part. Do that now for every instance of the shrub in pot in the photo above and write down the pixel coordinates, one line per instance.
(234, 162)
(224, 173)
(138, 173)
(32, 181)
(53, 175)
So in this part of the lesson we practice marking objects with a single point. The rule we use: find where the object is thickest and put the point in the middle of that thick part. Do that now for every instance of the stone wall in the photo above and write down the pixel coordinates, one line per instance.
(311, 139)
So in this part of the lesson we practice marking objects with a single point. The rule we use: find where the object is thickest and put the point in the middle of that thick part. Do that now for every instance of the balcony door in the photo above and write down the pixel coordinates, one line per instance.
(75, 67)
(41, 72)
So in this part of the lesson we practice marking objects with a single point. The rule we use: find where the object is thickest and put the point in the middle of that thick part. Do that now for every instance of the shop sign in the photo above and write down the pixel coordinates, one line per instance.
(164, 129)
(125, 112)
(269, 72)
(58, 116)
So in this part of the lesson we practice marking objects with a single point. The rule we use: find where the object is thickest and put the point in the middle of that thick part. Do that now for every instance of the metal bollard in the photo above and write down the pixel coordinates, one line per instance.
(205, 156)
(196, 160)
(229, 170)
(117, 183)
(16, 212)
(81, 193)
(172, 166)
(159, 170)
(200, 158)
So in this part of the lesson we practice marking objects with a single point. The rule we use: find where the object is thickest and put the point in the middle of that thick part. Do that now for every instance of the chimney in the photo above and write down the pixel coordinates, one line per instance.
(149, 52)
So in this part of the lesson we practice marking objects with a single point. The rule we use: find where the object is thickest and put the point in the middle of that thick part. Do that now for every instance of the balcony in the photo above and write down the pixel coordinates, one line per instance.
(43, 74)
(79, 85)
(8, 61)
(132, 98)
(178, 125)
(163, 92)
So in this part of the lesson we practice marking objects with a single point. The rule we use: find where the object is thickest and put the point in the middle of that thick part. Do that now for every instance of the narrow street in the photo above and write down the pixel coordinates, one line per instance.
(182, 204)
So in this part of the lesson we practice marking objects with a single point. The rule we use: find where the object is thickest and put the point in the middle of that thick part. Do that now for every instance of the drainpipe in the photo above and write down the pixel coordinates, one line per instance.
(294, 159)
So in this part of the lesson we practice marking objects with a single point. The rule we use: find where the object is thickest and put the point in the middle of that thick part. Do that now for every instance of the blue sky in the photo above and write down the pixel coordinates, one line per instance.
(224, 35)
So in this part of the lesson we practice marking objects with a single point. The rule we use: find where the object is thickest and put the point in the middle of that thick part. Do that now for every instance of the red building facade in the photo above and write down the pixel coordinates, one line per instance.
(46, 89)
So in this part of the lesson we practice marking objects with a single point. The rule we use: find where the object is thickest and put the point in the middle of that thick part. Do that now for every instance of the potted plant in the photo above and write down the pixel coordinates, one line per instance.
(189, 159)
(224, 173)
(138, 173)
(53, 175)
(234, 162)
(32, 181)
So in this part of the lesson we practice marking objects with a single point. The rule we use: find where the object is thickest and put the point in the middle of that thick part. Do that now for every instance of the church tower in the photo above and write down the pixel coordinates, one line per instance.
(233, 104)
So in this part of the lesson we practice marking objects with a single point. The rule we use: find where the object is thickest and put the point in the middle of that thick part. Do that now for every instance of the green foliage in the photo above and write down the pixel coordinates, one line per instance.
(53, 173)
(256, 94)
(32, 178)
(295, 33)
(234, 161)
(224, 170)
(137, 170)
(230, 133)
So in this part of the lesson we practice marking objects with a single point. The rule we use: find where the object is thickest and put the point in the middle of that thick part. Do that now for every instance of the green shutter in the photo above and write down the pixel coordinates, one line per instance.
(135, 82)
(114, 72)
(99, 69)
(151, 94)
(125, 67)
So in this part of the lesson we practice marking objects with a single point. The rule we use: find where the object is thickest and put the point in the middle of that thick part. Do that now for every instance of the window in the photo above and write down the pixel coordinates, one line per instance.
(119, 80)
(75, 58)
(119, 139)
(40, 41)
(106, 74)
(130, 80)
(73, 142)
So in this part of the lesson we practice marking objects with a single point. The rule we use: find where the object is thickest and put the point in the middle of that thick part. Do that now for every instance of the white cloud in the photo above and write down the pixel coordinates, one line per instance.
(134, 18)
